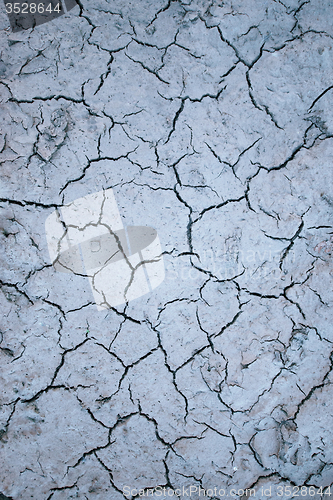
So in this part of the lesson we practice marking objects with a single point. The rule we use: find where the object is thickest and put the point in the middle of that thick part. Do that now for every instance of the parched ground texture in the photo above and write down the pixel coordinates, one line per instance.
(213, 124)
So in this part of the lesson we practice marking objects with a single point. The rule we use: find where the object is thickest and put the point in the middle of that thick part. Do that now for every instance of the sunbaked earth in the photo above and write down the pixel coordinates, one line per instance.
(212, 122)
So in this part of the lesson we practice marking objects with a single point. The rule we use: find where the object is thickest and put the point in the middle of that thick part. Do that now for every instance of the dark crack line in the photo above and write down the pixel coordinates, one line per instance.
(319, 97)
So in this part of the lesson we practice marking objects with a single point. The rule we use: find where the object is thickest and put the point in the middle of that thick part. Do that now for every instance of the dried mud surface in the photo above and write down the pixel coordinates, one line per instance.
(213, 123)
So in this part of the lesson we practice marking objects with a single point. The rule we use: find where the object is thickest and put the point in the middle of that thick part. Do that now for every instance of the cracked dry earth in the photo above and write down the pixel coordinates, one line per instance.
(213, 123)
